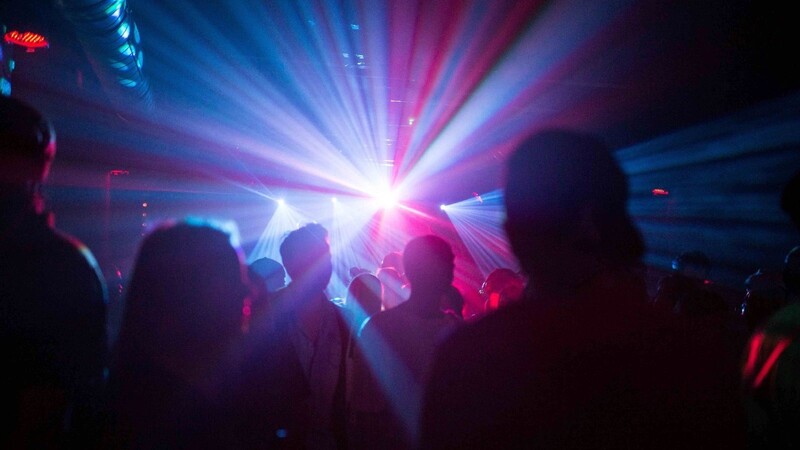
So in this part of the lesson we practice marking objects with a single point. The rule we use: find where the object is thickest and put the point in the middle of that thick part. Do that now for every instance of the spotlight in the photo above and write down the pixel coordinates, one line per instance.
(281, 202)
(387, 199)
(443, 207)
(334, 200)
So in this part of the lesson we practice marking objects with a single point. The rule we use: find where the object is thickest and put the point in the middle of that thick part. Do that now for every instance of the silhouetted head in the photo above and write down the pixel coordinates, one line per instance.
(306, 256)
(694, 264)
(27, 144)
(270, 272)
(565, 190)
(393, 292)
(395, 260)
(187, 291)
(790, 199)
(453, 302)
(429, 263)
(364, 294)
(502, 286)
(764, 296)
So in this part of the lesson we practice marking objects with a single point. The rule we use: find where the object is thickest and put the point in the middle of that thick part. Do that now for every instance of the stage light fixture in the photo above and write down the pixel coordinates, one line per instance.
(443, 207)
(28, 39)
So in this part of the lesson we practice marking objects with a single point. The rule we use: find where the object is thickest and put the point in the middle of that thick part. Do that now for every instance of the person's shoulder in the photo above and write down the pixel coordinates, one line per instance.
(500, 325)
(75, 247)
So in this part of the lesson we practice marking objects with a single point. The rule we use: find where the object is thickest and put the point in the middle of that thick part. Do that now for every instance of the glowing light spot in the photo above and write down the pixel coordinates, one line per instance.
(387, 199)
(771, 360)
(144, 205)
(755, 346)
(281, 202)
(411, 120)
(126, 49)
(124, 30)
(127, 83)
(659, 192)
(334, 200)
(28, 39)
(443, 207)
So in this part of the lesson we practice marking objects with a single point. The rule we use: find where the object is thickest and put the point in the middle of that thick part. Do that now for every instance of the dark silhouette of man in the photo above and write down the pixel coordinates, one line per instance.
(297, 376)
(771, 361)
(52, 301)
(398, 344)
(581, 361)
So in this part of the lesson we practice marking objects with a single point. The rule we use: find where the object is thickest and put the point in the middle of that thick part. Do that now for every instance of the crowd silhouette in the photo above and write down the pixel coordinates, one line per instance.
(568, 352)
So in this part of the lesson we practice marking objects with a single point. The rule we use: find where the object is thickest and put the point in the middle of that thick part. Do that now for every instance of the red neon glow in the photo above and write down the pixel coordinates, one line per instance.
(660, 192)
(752, 354)
(31, 41)
(773, 358)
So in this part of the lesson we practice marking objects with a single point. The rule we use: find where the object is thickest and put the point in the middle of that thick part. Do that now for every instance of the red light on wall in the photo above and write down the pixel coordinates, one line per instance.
(658, 192)
(31, 41)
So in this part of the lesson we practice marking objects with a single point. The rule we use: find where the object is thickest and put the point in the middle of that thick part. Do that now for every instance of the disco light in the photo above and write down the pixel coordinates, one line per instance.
(387, 199)
(28, 39)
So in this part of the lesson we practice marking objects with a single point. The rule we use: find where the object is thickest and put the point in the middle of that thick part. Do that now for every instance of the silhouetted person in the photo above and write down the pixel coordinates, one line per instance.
(764, 295)
(502, 287)
(270, 272)
(52, 301)
(364, 296)
(453, 302)
(395, 261)
(175, 367)
(398, 344)
(297, 377)
(771, 369)
(687, 291)
(582, 361)
(267, 277)
(395, 291)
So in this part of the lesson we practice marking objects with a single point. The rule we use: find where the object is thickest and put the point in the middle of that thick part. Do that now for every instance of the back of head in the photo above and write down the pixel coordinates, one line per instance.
(365, 292)
(306, 255)
(429, 263)
(393, 292)
(694, 264)
(187, 289)
(553, 179)
(764, 296)
(502, 286)
(270, 272)
(395, 260)
(27, 143)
